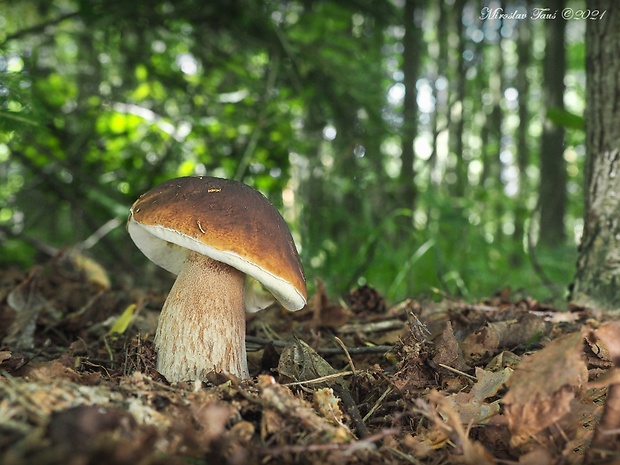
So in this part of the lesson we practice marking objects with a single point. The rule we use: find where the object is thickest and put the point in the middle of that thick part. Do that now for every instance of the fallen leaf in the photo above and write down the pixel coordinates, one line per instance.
(448, 351)
(26, 301)
(122, 322)
(473, 453)
(502, 360)
(471, 406)
(605, 342)
(606, 441)
(489, 383)
(521, 330)
(324, 313)
(90, 269)
(543, 385)
(4, 355)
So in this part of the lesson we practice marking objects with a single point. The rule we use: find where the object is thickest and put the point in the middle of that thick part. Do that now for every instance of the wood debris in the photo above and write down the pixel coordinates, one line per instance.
(337, 383)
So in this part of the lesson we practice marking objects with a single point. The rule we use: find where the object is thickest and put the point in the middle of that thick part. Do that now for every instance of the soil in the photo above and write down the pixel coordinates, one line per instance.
(352, 380)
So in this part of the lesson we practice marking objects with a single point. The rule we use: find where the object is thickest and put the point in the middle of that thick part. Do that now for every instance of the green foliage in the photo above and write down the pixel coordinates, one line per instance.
(442, 251)
(99, 101)
(566, 119)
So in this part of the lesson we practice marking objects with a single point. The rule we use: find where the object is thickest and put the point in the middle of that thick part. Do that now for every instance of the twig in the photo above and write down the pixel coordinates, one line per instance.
(346, 352)
(459, 372)
(404, 456)
(40, 27)
(372, 327)
(32, 241)
(347, 447)
(27, 360)
(378, 403)
(103, 230)
(320, 380)
(380, 349)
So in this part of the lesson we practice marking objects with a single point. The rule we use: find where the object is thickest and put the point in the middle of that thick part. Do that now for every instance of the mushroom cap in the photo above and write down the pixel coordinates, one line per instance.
(222, 219)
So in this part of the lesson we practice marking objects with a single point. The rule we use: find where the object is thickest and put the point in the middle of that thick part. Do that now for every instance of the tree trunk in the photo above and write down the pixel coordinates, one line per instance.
(458, 177)
(441, 115)
(552, 188)
(411, 62)
(523, 149)
(597, 281)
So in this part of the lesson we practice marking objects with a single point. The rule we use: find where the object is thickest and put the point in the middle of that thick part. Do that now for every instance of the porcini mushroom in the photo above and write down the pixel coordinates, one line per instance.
(211, 233)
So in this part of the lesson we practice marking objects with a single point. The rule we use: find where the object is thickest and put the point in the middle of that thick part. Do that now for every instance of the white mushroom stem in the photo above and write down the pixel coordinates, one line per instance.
(202, 324)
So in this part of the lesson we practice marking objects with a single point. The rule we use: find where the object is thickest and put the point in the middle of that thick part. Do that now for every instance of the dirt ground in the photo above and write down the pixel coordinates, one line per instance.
(354, 380)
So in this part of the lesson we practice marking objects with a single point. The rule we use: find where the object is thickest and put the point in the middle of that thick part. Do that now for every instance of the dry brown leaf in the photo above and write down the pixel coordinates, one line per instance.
(471, 406)
(578, 427)
(448, 351)
(606, 441)
(502, 360)
(473, 453)
(53, 369)
(489, 383)
(4, 355)
(607, 340)
(543, 385)
(90, 270)
(27, 303)
(324, 313)
(518, 331)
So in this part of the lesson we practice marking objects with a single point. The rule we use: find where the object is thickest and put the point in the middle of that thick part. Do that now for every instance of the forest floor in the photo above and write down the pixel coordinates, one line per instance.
(506, 380)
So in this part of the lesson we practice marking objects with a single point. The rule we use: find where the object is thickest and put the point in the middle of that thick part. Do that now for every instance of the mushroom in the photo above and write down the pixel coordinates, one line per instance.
(211, 233)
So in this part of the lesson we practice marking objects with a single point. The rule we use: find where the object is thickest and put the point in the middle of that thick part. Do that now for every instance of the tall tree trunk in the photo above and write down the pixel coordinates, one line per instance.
(491, 135)
(597, 281)
(552, 188)
(523, 150)
(441, 115)
(411, 64)
(457, 125)
(496, 85)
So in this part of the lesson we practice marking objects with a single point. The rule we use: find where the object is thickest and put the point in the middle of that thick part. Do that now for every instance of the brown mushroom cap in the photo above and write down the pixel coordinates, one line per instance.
(225, 220)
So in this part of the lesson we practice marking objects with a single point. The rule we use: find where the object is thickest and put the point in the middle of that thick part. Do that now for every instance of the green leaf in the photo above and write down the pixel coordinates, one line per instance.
(567, 119)
(122, 322)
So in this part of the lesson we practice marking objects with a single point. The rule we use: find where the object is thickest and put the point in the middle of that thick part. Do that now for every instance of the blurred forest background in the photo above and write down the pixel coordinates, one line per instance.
(424, 148)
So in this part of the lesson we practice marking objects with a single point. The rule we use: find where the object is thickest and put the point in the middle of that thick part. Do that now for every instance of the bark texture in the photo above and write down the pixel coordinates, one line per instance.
(411, 68)
(552, 188)
(597, 281)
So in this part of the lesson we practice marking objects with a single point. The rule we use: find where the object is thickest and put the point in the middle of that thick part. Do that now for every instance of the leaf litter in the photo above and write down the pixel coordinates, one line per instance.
(352, 380)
